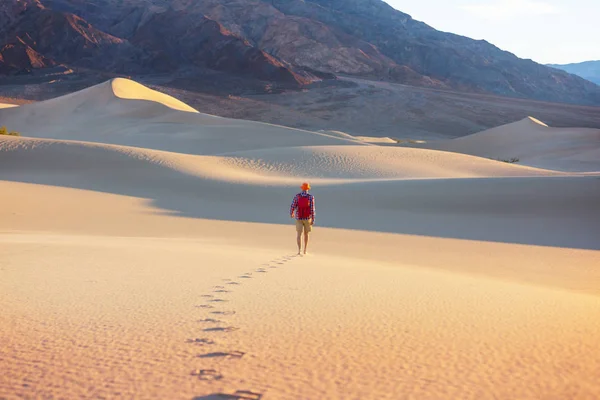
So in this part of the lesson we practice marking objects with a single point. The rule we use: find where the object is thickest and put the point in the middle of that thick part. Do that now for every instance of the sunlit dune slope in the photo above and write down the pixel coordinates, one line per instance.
(273, 166)
(533, 143)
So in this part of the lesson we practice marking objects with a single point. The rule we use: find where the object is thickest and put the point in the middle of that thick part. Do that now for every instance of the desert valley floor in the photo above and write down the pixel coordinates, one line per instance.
(146, 251)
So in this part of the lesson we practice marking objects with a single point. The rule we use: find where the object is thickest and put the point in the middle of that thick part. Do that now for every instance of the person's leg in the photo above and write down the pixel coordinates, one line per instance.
(305, 241)
(299, 227)
(307, 229)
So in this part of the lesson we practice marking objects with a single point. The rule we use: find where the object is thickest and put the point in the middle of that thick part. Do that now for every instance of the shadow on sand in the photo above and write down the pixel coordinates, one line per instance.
(239, 395)
(545, 211)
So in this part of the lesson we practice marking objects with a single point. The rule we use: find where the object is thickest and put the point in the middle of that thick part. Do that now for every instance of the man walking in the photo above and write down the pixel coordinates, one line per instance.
(304, 207)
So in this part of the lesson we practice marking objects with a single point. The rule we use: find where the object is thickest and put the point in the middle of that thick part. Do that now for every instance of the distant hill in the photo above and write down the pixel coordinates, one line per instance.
(589, 70)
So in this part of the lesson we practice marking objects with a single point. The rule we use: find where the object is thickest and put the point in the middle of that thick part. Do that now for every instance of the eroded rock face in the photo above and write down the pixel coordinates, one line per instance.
(154, 40)
(292, 42)
(67, 38)
(203, 42)
(19, 58)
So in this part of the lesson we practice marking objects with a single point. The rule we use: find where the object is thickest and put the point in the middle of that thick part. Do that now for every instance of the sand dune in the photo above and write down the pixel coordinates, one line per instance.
(279, 166)
(253, 187)
(322, 164)
(373, 162)
(123, 112)
(366, 139)
(533, 143)
(379, 140)
(147, 252)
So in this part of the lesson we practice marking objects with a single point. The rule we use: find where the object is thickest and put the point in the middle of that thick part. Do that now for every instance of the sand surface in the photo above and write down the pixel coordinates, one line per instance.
(131, 271)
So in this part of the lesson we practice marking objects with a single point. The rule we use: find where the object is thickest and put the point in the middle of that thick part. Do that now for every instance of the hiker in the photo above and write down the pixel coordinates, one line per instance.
(304, 207)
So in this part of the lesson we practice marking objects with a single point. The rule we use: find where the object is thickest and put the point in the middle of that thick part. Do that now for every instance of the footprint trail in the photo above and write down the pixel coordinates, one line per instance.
(219, 357)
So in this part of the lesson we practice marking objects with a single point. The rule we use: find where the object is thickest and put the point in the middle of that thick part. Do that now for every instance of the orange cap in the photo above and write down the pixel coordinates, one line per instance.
(305, 186)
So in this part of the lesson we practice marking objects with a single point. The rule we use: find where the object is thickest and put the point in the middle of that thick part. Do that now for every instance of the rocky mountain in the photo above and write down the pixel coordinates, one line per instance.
(589, 70)
(152, 42)
(291, 43)
(63, 37)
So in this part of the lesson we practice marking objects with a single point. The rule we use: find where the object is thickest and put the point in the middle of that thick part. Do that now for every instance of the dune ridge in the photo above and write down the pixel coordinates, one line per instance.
(131, 90)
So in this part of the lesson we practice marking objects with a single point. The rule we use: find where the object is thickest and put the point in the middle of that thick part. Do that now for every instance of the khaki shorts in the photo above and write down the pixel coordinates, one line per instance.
(303, 224)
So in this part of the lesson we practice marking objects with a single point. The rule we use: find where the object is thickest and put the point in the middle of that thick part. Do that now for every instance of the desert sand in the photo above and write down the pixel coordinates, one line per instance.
(146, 251)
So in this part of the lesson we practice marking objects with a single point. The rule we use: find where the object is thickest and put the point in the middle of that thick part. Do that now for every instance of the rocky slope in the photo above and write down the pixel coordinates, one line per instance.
(286, 42)
(160, 42)
(19, 58)
(589, 70)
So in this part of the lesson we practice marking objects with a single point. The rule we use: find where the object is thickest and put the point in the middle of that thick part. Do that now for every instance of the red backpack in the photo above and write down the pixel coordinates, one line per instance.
(304, 211)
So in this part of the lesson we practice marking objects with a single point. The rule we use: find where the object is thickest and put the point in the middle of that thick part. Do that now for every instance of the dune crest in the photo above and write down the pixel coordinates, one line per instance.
(537, 121)
(380, 140)
(131, 90)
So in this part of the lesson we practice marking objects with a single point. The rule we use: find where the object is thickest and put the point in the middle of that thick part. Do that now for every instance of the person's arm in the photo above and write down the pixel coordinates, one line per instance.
(293, 206)
(312, 209)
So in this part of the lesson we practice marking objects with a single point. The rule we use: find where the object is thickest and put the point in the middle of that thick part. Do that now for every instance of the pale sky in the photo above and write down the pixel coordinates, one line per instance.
(546, 31)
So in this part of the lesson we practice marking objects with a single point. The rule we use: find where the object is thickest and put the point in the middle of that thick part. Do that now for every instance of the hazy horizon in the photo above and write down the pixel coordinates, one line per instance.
(546, 31)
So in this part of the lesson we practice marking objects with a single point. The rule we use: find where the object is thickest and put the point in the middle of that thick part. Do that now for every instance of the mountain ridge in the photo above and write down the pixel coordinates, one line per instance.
(286, 43)
(589, 70)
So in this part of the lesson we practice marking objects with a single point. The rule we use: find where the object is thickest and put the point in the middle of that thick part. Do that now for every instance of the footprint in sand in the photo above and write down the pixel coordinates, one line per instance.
(234, 283)
(207, 374)
(204, 306)
(261, 270)
(223, 354)
(247, 395)
(238, 395)
(222, 329)
(223, 312)
(218, 300)
(247, 276)
(207, 295)
(210, 320)
(222, 291)
(201, 341)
